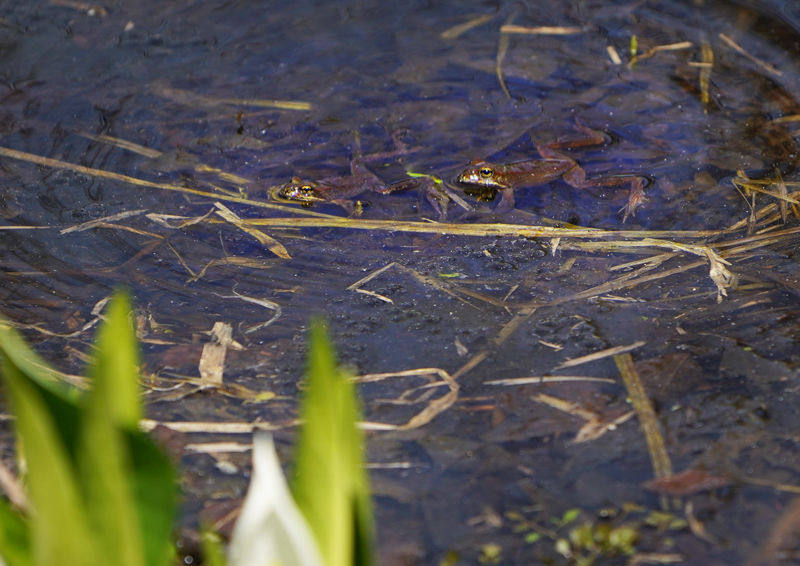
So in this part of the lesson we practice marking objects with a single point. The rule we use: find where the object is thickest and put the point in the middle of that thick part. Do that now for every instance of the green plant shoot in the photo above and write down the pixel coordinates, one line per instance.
(101, 492)
(330, 485)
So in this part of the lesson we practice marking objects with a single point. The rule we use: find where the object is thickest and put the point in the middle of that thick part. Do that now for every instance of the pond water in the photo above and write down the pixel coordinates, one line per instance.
(424, 88)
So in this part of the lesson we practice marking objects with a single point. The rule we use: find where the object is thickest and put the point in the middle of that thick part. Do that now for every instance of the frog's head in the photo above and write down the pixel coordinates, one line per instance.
(479, 174)
(299, 191)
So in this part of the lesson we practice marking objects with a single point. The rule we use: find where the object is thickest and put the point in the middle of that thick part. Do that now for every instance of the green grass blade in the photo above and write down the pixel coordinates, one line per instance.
(59, 531)
(330, 484)
(15, 540)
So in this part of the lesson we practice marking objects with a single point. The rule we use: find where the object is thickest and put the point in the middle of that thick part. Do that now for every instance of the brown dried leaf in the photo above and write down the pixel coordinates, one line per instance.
(686, 483)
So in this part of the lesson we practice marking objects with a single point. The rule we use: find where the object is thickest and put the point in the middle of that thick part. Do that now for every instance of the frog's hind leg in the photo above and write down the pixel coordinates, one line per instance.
(577, 178)
(507, 202)
(591, 138)
(437, 199)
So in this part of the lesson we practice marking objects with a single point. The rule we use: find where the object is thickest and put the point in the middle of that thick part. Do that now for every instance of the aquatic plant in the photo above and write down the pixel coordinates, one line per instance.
(99, 491)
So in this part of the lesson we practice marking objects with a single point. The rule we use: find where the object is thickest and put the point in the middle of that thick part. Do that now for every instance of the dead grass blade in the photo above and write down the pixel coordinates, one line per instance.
(56, 164)
(736, 47)
(536, 380)
(451, 289)
(784, 534)
(600, 355)
(248, 262)
(784, 196)
(13, 489)
(164, 219)
(662, 466)
(147, 425)
(85, 7)
(640, 558)
(378, 296)
(705, 70)
(613, 55)
(266, 303)
(541, 30)
(569, 407)
(774, 485)
(508, 329)
(657, 49)
(481, 229)
(101, 221)
(212, 361)
(123, 144)
(432, 409)
(720, 275)
(502, 50)
(594, 426)
(217, 447)
(272, 244)
(160, 88)
(371, 276)
(153, 154)
(460, 29)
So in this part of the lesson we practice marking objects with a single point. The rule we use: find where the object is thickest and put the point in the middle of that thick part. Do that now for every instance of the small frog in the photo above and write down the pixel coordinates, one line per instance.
(340, 190)
(486, 179)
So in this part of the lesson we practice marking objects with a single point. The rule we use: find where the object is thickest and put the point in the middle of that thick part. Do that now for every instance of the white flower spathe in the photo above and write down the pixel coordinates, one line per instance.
(271, 530)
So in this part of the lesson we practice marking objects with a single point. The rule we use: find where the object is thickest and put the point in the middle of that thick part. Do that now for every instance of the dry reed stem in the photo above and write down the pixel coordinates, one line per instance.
(479, 229)
(272, 244)
(662, 466)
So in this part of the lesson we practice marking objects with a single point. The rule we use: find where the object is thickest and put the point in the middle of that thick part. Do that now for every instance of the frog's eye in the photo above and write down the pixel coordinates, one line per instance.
(486, 172)
(307, 190)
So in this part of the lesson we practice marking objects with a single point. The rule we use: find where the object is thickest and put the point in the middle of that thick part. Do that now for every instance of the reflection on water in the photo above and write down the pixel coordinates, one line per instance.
(191, 90)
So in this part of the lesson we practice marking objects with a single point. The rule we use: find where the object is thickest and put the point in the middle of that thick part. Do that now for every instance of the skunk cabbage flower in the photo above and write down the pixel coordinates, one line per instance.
(271, 530)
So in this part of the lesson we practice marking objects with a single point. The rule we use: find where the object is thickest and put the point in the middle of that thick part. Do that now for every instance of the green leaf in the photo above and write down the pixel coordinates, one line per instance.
(59, 398)
(59, 530)
(330, 484)
(106, 472)
(531, 538)
(570, 515)
(155, 494)
(15, 540)
(115, 371)
(213, 553)
(127, 482)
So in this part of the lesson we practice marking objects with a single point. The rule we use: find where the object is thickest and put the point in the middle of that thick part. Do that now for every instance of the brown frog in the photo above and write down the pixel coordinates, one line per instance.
(486, 179)
(340, 190)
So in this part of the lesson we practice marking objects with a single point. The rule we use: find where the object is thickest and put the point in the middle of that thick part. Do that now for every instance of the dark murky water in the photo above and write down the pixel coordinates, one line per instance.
(181, 78)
